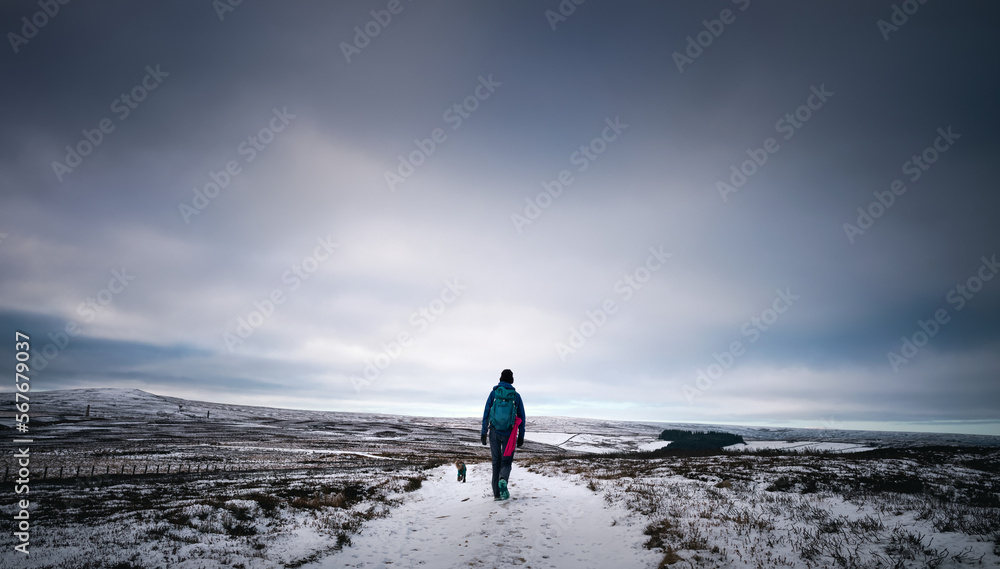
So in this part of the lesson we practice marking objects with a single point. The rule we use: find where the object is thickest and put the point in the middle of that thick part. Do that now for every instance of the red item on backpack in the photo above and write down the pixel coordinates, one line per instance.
(512, 439)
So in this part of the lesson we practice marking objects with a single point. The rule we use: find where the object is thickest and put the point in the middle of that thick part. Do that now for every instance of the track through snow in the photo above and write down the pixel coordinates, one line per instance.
(549, 522)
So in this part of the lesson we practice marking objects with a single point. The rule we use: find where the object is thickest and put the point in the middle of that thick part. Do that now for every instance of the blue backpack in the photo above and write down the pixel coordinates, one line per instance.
(504, 409)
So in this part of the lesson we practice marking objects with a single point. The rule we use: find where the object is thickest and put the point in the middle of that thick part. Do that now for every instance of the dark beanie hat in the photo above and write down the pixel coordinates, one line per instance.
(507, 376)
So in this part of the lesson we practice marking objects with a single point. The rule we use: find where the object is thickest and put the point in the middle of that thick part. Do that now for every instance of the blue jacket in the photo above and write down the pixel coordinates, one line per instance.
(520, 413)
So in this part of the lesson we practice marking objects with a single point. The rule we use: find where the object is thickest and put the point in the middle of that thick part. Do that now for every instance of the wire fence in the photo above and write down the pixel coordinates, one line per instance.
(53, 472)
(63, 471)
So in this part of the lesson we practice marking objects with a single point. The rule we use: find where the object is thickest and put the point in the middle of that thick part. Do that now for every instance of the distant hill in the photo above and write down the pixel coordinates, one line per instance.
(135, 404)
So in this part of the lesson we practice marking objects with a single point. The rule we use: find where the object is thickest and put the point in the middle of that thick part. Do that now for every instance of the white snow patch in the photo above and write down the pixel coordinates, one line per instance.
(554, 439)
(800, 445)
(589, 442)
(309, 451)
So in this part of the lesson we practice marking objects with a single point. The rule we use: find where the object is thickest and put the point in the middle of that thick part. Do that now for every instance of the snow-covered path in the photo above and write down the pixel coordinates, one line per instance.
(549, 522)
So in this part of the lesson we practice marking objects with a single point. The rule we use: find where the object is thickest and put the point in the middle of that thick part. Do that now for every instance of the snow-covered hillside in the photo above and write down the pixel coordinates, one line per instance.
(144, 480)
(584, 435)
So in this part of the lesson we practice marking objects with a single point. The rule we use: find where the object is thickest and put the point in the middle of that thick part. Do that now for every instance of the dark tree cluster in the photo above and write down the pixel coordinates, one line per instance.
(691, 440)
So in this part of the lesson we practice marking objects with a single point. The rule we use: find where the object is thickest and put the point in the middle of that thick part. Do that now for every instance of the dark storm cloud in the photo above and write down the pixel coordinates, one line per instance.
(322, 176)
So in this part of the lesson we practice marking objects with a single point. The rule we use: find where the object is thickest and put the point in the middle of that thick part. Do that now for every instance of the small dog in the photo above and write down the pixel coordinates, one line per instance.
(461, 470)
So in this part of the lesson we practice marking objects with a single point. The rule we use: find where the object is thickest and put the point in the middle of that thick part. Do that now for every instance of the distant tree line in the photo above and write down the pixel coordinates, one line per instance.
(691, 440)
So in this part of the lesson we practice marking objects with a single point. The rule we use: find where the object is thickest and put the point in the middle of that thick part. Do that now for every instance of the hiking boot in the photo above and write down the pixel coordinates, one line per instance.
(504, 494)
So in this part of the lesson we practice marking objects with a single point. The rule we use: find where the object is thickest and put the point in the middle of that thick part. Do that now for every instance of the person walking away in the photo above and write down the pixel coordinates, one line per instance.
(503, 423)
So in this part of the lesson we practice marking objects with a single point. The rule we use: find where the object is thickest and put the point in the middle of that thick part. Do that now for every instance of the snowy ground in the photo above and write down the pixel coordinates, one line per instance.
(591, 443)
(929, 507)
(261, 488)
(800, 446)
(587, 442)
(549, 522)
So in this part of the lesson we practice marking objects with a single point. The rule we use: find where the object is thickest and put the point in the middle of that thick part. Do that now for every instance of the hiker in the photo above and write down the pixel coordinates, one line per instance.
(503, 416)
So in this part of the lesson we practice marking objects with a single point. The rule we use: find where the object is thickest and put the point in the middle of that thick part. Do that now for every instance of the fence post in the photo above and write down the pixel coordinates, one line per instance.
(60, 471)
(45, 473)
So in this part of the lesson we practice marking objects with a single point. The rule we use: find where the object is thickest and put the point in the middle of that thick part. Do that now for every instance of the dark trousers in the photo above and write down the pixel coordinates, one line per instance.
(501, 463)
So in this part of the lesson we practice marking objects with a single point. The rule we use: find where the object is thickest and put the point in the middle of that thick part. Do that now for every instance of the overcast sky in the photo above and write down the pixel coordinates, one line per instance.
(646, 210)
